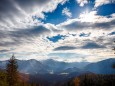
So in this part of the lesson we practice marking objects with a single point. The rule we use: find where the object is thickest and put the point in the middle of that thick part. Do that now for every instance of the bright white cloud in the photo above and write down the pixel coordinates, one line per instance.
(66, 12)
(64, 1)
(88, 16)
(22, 12)
(98, 26)
(93, 17)
(23, 34)
(102, 2)
(82, 2)
(89, 21)
(19, 27)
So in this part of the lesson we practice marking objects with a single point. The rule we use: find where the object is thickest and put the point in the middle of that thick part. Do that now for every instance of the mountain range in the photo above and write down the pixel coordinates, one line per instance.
(55, 73)
(102, 67)
(51, 66)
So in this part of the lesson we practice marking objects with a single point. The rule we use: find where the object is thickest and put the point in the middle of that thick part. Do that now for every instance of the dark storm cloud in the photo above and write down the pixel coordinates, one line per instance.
(105, 25)
(28, 5)
(78, 25)
(65, 48)
(22, 35)
(4, 50)
(31, 2)
(12, 14)
(7, 6)
(3, 34)
(34, 31)
(6, 9)
(12, 9)
(92, 45)
(6, 44)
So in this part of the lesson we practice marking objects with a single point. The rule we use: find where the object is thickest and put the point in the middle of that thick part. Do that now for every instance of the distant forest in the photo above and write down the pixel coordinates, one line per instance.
(92, 80)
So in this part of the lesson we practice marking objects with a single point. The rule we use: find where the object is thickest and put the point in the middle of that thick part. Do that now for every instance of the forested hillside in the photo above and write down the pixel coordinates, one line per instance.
(92, 80)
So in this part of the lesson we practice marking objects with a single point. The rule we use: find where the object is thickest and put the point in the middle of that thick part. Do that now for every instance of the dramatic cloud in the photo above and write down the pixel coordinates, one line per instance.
(65, 48)
(66, 12)
(1, 51)
(29, 29)
(20, 36)
(98, 23)
(33, 31)
(92, 46)
(19, 14)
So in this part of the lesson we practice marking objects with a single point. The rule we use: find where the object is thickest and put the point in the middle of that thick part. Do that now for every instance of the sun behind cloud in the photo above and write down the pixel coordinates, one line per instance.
(88, 16)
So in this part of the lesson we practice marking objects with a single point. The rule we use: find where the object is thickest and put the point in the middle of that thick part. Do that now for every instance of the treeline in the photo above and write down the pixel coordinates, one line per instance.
(11, 76)
(92, 80)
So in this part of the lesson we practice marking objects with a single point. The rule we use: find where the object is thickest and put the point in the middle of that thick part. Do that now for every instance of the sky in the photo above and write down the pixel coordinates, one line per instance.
(63, 30)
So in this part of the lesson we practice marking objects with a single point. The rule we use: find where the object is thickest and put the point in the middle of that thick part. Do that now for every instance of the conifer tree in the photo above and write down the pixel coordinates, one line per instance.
(113, 66)
(12, 72)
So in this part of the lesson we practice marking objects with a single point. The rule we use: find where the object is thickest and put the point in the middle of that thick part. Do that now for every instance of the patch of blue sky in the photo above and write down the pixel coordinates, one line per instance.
(106, 10)
(56, 38)
(57, 17)
(84, 34)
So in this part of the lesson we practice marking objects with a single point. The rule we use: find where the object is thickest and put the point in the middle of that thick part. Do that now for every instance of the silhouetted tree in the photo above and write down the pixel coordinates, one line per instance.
(12, 72)
(113, 65)
(114, 48)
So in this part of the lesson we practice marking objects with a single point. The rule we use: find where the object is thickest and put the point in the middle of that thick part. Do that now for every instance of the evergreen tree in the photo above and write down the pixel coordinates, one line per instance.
(114, 48)
(12, 72)
(113, 66)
